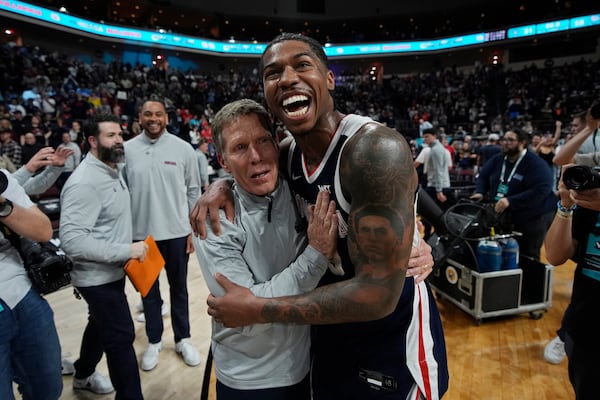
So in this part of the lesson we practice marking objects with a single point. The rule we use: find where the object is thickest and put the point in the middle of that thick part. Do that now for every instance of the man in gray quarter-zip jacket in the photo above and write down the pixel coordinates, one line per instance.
(162, 173)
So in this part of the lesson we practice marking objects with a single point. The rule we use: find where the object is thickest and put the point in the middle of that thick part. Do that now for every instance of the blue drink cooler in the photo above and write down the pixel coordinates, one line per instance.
(489, 256)
(510, 254)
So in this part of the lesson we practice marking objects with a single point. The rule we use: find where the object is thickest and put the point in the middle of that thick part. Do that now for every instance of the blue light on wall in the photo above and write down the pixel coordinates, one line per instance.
(147, 37)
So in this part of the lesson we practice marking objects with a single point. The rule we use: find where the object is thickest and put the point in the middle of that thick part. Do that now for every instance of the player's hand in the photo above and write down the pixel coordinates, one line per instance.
(217, 196)
(237, 307)
(420, 263)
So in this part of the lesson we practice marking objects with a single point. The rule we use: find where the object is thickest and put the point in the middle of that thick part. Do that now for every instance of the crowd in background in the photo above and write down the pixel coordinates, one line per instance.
(46, 94)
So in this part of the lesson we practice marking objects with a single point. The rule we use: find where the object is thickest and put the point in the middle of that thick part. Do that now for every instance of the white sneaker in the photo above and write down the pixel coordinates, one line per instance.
(554, 352)
(150, 357)
(96, 383)
(67, 366)
(164, 311)
(188, 352)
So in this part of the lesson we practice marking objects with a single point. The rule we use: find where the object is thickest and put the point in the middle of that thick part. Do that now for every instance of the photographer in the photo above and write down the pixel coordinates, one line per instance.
(571, 152)
(29, 345)
(574, 234)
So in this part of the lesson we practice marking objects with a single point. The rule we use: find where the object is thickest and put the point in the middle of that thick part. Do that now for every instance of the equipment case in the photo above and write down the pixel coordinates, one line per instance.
(491, 294)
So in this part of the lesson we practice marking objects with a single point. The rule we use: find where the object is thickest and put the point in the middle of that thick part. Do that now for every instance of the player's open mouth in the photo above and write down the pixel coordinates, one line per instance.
(296, 106)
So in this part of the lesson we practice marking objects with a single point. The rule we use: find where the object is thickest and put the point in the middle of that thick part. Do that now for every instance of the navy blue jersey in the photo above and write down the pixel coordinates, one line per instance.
(398, 357)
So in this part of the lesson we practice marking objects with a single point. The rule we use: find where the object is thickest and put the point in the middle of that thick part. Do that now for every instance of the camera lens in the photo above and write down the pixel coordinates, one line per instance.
(3, 182)
(580, 177)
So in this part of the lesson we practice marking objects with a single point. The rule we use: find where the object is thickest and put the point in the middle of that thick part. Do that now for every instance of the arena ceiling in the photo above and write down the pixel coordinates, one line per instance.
(329, 21)
(323, 9)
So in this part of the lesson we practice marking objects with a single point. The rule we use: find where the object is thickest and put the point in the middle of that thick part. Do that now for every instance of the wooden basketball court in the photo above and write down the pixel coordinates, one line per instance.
(501, 359)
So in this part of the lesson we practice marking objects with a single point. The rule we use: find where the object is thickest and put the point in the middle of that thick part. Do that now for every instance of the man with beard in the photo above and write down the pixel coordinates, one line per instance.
(162, 172)
(95, 231)
(519, 183)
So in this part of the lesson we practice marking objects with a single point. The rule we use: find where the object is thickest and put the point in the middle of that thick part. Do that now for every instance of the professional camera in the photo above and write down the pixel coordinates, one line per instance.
(580, 177)
(47, 266)
(3, 182)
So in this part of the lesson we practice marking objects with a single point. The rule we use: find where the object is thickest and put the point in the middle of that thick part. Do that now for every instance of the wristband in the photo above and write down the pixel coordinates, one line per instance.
(564, 214)
(564, 209)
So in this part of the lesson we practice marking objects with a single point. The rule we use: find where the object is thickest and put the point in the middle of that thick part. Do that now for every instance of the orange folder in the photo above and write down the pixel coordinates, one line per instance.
(143, 274)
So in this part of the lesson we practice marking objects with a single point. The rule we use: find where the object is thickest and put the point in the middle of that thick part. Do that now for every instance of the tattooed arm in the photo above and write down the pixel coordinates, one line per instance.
(378, 176)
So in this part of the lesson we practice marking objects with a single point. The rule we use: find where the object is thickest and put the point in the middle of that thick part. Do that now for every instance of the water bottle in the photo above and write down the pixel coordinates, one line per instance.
(510, 254)
(489, 256)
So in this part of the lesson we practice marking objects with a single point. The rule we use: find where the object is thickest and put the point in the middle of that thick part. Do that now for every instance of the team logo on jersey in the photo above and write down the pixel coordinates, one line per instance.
(342, 225)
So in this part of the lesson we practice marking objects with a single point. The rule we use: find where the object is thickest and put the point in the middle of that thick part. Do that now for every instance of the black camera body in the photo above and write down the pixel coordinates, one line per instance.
(581, 177)
(3, 182)
(47, 266)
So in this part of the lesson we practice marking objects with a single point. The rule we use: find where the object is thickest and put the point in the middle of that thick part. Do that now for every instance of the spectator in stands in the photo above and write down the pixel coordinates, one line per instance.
(31, 107)
(41, 133)
(10, 148)
(546, 149)
(19, 125)
(465, 158)
(79, 107)
(76, 133)
(592, 143)
(48, 104)
(71, 163)
(490, 149)
(29, 148)
(57, 128)
(424, 124)
(194, 133)
(446, 143)
(6, 126)
(15, 107)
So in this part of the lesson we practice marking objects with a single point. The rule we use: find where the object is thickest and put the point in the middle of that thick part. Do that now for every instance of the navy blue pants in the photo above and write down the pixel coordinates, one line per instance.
(110, 330)
(176, 267)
